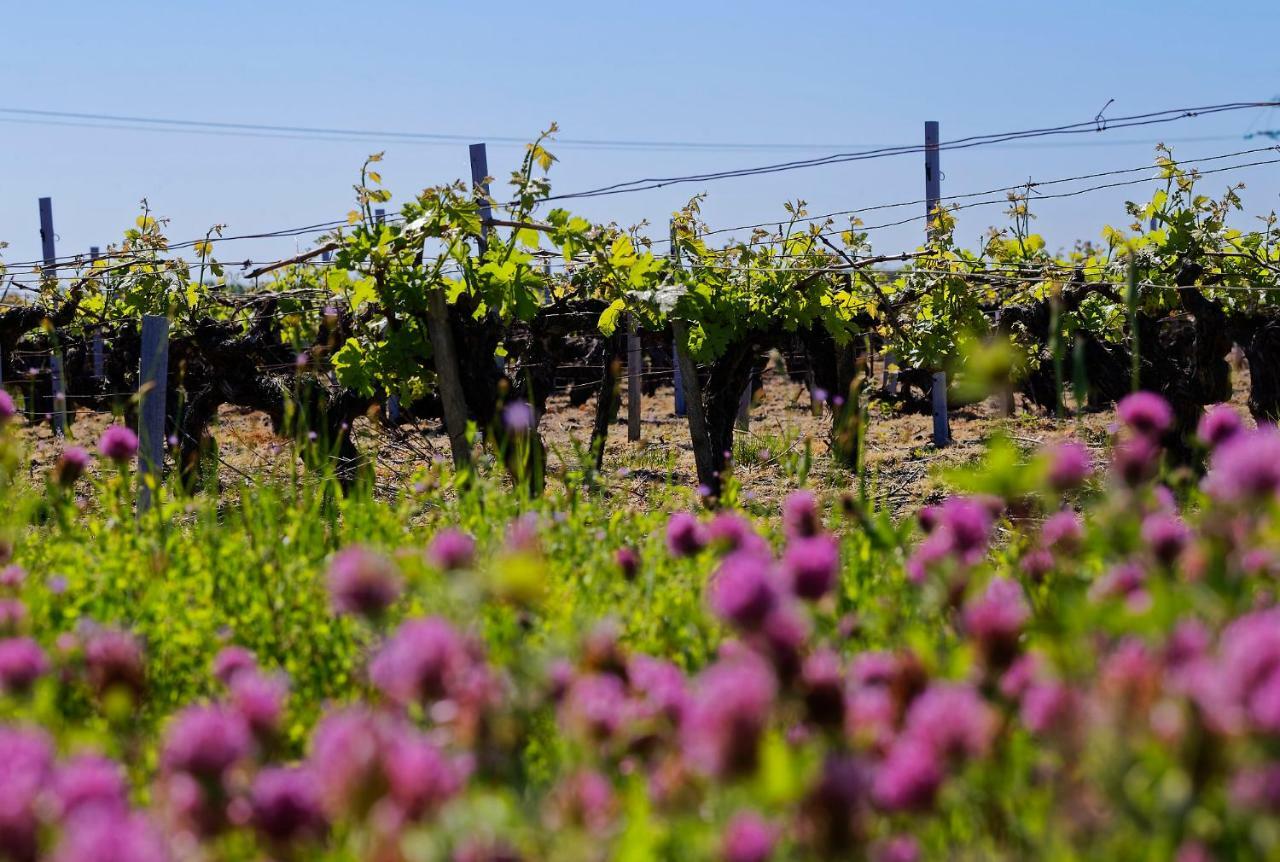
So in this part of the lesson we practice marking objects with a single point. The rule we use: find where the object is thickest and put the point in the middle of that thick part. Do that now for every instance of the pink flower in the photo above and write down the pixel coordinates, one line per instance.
(1062, 531)
(89, 780)
(800, 516)
(7, 408)
(658, 689)
(1218, 425)
(1145, 413)
(748, 838)
(628, 562)
(822, 681)
(425, 661)
(995, 621)
(118, 444)
(517, 416)
(952, 719)
(595, 707)
(346, 760)
(259, 698)
(1135, 459)
(1070, 464)
(71, 466)
(1047, 706)
(685, 536)
(22, 662)
(1246, 468)
(743, 591)
(108, 836)
(205, 741)
(909, 777)
(420, 778)
(232, 660)
(114, 660)
(26, 762)
(899, 848)
(811, 565)
(451, 550)
(12, 614)
(286, 805)
(731, 532)
(1166, 535)
(727, 716)
(362, 582)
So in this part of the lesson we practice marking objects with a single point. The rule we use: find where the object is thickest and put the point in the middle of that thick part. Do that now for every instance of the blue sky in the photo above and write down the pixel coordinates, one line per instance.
(812, 74)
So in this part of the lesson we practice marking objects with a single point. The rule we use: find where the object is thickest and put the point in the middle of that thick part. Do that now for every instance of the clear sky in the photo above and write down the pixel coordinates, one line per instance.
(825, 75)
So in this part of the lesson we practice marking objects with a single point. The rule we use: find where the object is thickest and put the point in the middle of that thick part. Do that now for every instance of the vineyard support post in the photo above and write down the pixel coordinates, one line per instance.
(479, 155)
(99, 360)
(932, 173)
(676, 374)
(633, 381)
(58, 393)
(941, 422)
(393, 401)
(703, 455)
(47, 245)
(153, 375)
(743, 422)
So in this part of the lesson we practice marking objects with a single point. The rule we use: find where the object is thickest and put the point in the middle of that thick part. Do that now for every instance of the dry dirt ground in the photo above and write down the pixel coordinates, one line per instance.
(901, 459)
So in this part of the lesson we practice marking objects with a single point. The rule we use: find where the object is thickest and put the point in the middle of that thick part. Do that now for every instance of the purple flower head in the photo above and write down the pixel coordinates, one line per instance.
(595, 707)
(995, 620)
(586, 798)
(420, 777)
(952, 719)
(425, 661)
(748, 838)
(517, 416)
(800, 516)
(286, 805)
(909, 777)
(22, 662)
(685, 535)
(232, 660)
(1070, 464)
(12, 576)
(961, 530)
(873, 669)
(743, 591)
(658, 690)
(259, 699)
(1134, 460)
(1047, 706)
(811, 565)
(206, 741)
(89, 780)
(783, 637)
(628, 562)
(819, 394)
(727, 716)
(730, 532)
(1123, 580)
(1249, 653)
(822, 681)
(451, 550)
(1020, 676)
(362, 582)
(12, 614)
(899, 848)
(834, 806)
(7, 408)
(107, 836)
(1246, 467)
(1257, 788)
(346, 760)
(1218, 425)
(118, 444)
(114, 660)
(1062, 532)
(1145, 413)
(1036, 564)
(71, 466)
(26, 760)
(1188, 642)
(1166, 535)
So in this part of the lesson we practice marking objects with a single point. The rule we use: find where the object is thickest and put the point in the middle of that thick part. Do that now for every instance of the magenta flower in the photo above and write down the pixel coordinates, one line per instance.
(12, 576)
(899, 848)
(960, 531)
(286, 805)
(420, 777)
(685, 536)
(822, 682)
(22, 662)
(451, 550)
(1036, 564)
(952, 719)
(346, 760)
(1246, 468)
(628, 562)
(1047, 706)
(114, 661)
(259, 699)
(1257, 787)
(1135, 460)
(106, 836)
(658, 690)
(7, 408)
(748, 838)
(71, 465)
(118, 444)
(362, 582)
(89, 780)
(232, 660)
(12, 615)
(26, 761)
(1146, 413)
(425, 661)
(206, 741)
(742, 590)
(1249, 653)
(811, 565)
(1167, 535)
(1218, 425)
(730, 532)
(1123, 580)
(1062, 531)
(586, 797)
(800, 516)
(995, 620)
(909, 777)
(517, 416)
(727, 716)
(1070, 464)
(595, 707)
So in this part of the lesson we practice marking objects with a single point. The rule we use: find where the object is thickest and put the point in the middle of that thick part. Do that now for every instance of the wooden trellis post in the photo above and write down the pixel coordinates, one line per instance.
(153, 376)
(633, 381)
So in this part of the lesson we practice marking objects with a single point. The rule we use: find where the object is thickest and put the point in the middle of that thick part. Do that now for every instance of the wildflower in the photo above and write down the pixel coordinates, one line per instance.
(909, 777)
(1070, 464)
(12, 576)
(1135, 459)
(833, 808)
(362, 582)
(898, 848)
(586, 798)
(995, 621)
(782, 639)
(727, 716)
(517, 416)
(26, 759)
(742, 590)
(731, 532)
(105, 836)
(960, 530)
(1218, 425)
(1123, 580)
(424, 661)
(22, 662)
(1249, 652)
(811, 565)
(1062, 531)
(823, 685)
(7, 408)
(1246, 468)
(748, 838)
(1036, 564)
(658, 689)
(952, 719)
(259, 699)
(420, 779)
(286, 805)
(71, 465)
(1166, 535)
(89, 780)
(114, 660)
(628, 562)
(12, 614)
(346, 761)
(800, 517)
(205, 741)
(1146, 413)
(451, 550)
(232, 660)
(1257, 787)
(118, 444)
(1047, 706)
(595, 706)
(685, 536)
